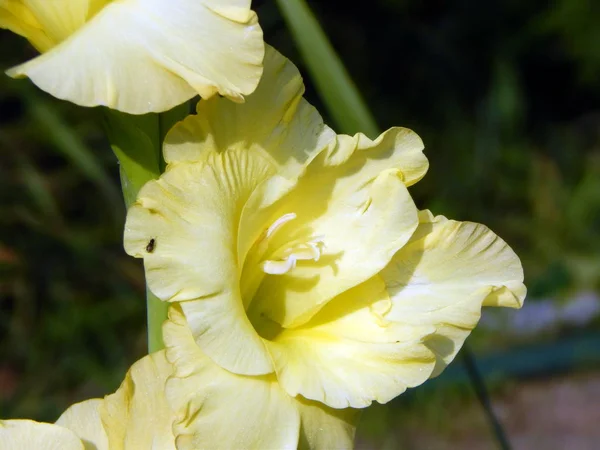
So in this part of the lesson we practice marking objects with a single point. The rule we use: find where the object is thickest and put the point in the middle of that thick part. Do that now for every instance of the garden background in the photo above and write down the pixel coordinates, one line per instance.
(506, 96)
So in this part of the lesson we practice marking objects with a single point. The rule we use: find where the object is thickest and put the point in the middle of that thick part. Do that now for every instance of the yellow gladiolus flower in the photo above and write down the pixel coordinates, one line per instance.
(153, 406)
(298, 255)
(138, 56)
(136, 416)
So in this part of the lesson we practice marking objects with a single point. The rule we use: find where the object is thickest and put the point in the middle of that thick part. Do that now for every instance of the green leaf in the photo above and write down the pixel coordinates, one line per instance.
(67, 141)
(335, 87)
(41, 195)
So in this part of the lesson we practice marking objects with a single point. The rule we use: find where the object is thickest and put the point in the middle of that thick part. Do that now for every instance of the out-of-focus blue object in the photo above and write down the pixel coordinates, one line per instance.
(538, 316)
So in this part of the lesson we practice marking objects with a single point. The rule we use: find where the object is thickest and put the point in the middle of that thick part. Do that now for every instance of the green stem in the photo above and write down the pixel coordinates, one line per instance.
(156, 314)
(484, 399)
(137, 143)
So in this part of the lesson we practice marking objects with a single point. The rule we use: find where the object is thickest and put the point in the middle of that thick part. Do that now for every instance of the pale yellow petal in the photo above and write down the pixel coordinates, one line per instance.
(16, 17)
(348, 355)
(137, 415)
(29, 435)
(362, 158)
(226, 335)
(236, 10)
(360, 220)
(220, 410)
(84, 420)
(142, 56)
(275, 120)
(59, 18)
(45, 23)
(325, 428)
(443, 277)
(192, 213)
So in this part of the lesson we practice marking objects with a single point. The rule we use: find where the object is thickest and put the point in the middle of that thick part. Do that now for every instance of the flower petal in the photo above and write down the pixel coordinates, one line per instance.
(56, 19)
(443, 277)
(349, 355)
(398, 148)
(325, 428)
(151, 55)
(16, 17)
(192, 214)
(219, 409)
(27, 435)
(275, 120)
(361, 210)
(84, 420)
(137, 415)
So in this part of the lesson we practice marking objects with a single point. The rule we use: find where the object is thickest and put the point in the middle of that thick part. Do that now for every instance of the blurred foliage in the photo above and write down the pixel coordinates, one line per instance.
(72, 313)
(505, 95)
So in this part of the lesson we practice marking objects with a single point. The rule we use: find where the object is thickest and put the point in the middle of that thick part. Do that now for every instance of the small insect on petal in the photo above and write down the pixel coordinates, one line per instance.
(151, 245)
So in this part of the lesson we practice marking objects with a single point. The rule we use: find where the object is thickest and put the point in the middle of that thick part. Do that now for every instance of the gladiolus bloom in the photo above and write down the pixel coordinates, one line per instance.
(298, 256)
(138, 56)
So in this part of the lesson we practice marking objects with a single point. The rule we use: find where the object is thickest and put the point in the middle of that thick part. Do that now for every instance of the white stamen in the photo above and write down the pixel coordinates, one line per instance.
(314, 246)
(279, 267)
(279, 223)
(304, 251)
(285, 259)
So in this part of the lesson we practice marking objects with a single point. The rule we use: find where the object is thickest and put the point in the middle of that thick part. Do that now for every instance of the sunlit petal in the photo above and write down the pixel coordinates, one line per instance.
(361, 212)
(350, 355)
(28, 435)
(275, 121)
(324, 428)
(219, 409)
(137, 415)
(443, 277)
(141, 56)
(192, 215)
(84, 420)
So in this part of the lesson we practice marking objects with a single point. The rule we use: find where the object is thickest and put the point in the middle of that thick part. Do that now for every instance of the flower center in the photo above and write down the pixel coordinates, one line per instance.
(284, 259)
(273, 254)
